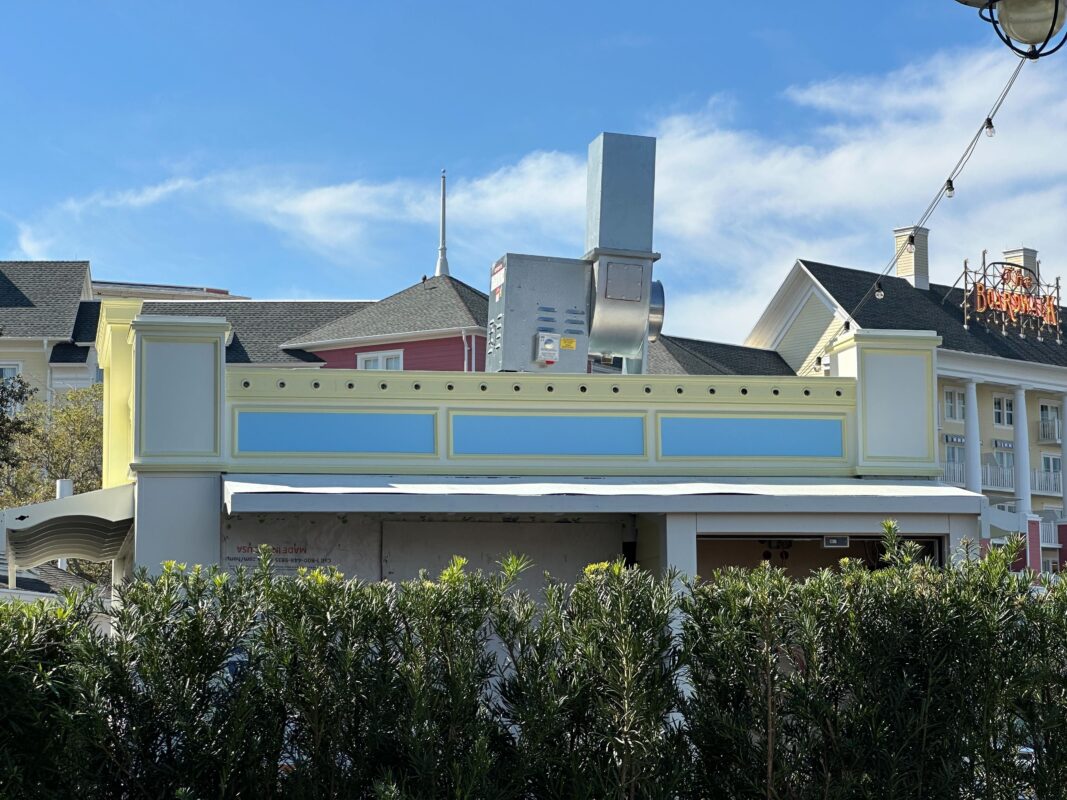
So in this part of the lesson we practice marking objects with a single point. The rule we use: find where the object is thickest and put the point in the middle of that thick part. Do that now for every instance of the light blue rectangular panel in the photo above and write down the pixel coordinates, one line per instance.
(547, 435)
(355, 432)
(722, 437)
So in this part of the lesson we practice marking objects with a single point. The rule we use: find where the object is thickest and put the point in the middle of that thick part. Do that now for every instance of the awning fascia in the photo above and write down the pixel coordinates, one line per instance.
(433, 494)
(92, 526)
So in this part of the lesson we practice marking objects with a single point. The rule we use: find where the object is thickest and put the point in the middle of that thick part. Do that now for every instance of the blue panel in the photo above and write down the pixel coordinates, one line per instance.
(310, 432)
(720, 437)
(547, 435)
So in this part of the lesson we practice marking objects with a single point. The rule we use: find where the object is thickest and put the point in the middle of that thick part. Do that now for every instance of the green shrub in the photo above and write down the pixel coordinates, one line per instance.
(910, 681)
(36, 698)
(590, 691)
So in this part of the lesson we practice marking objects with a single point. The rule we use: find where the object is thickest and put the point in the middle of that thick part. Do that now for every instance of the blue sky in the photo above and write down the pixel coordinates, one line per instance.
(292, 149)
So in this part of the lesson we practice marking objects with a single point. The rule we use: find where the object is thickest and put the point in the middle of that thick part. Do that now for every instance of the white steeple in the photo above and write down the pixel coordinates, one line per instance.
(442, 258)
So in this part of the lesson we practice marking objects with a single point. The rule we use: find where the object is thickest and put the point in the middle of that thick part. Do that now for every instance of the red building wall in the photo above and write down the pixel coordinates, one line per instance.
(435, 355)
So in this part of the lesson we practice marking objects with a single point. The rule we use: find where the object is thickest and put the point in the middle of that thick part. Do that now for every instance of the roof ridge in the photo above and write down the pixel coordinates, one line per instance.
(248, 300)
(343, 328)
(720, 344)
(33, 262)
(703, 357)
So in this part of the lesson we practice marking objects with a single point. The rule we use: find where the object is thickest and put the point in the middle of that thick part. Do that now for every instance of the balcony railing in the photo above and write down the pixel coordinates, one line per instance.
(955, 473)
(1049, 430)
(997, 477)
(1050, 537)
(1046, 482)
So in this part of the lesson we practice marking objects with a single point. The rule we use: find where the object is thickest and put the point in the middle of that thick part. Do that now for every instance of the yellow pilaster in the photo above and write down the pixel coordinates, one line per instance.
(115, 353)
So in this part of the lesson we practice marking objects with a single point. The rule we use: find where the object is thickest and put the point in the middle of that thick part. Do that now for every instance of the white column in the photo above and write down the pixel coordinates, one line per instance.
(64, 488)
(681, 543)
(972, 445)
(12, 568)
(178, 518)
(1022, 452)
(1063, 453)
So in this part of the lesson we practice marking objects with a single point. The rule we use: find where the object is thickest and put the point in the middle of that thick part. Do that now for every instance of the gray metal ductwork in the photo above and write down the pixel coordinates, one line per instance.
(551, 314)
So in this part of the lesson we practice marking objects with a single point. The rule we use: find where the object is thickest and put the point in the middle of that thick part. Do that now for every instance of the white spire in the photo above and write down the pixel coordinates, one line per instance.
(442, 258)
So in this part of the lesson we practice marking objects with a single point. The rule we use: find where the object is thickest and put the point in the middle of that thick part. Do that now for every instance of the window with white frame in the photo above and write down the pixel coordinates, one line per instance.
(1050, 420)
(1009, 507)
(1003, 410)
(1050, 412)
(1005, 459)
(955, 405)
(385, 359)
(1051, 462)
(1050, 565)
(954, 454)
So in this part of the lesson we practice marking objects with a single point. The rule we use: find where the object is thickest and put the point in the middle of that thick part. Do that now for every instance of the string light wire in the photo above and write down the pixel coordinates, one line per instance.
(957, 170)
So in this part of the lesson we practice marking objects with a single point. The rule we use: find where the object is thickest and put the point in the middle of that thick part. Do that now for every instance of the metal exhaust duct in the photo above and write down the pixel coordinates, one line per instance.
(552, 314)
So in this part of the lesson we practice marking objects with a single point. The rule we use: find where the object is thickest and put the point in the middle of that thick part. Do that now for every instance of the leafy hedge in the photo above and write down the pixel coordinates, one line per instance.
(908, 682)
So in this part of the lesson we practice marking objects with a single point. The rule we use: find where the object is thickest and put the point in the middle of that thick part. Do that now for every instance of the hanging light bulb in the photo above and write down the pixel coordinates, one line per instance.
(1029, 21)
(950, 188)
(911, 243)
(990, 129)
(879, 292)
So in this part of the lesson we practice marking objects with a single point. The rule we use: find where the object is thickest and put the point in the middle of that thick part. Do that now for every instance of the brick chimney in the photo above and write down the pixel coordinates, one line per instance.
(913, 267)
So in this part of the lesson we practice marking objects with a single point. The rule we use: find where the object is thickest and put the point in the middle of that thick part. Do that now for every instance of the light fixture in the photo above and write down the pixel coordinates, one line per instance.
(911, 242)
(950, 188)
(1032, 22)
(879, 292)
(1028, 27)
(990, 128)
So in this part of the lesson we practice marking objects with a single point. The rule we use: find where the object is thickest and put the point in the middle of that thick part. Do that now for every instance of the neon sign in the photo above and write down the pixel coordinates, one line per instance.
(1011, 298)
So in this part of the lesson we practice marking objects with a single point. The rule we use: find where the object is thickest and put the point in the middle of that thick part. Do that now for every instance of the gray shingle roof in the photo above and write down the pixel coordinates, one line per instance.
(40, 299)
(261, 327)
(438, 303)
(86, 322)
(68, 353)
(674, 355)
(45, 578)
(936, 309)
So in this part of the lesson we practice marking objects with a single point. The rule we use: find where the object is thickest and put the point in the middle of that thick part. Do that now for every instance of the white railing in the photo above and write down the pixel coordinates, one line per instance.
(1049, 430)
(997, 477)
(954, 472)
(1046, 482)
(1050, 537)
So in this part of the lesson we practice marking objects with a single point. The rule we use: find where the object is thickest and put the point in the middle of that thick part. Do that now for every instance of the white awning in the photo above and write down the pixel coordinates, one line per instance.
(495, 495)
(92, 526)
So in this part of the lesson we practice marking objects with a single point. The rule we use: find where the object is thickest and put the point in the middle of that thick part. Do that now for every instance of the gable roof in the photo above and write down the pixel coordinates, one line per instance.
(936, 309)
(86, 321)
(260, 328)
(675, 355)
(40, 299)
(68, 353)
(435, 304)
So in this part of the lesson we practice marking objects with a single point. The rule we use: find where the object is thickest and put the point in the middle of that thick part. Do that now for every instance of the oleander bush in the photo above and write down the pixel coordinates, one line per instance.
(910, 681)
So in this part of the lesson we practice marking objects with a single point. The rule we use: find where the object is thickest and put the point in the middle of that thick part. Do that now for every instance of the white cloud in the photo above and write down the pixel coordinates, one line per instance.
(142, 197)
(532, 200)
(30, 245)
(331, 219)
(735, 207)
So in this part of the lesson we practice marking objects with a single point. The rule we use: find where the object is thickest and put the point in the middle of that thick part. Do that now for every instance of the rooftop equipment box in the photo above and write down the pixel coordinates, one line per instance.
(546, 304)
